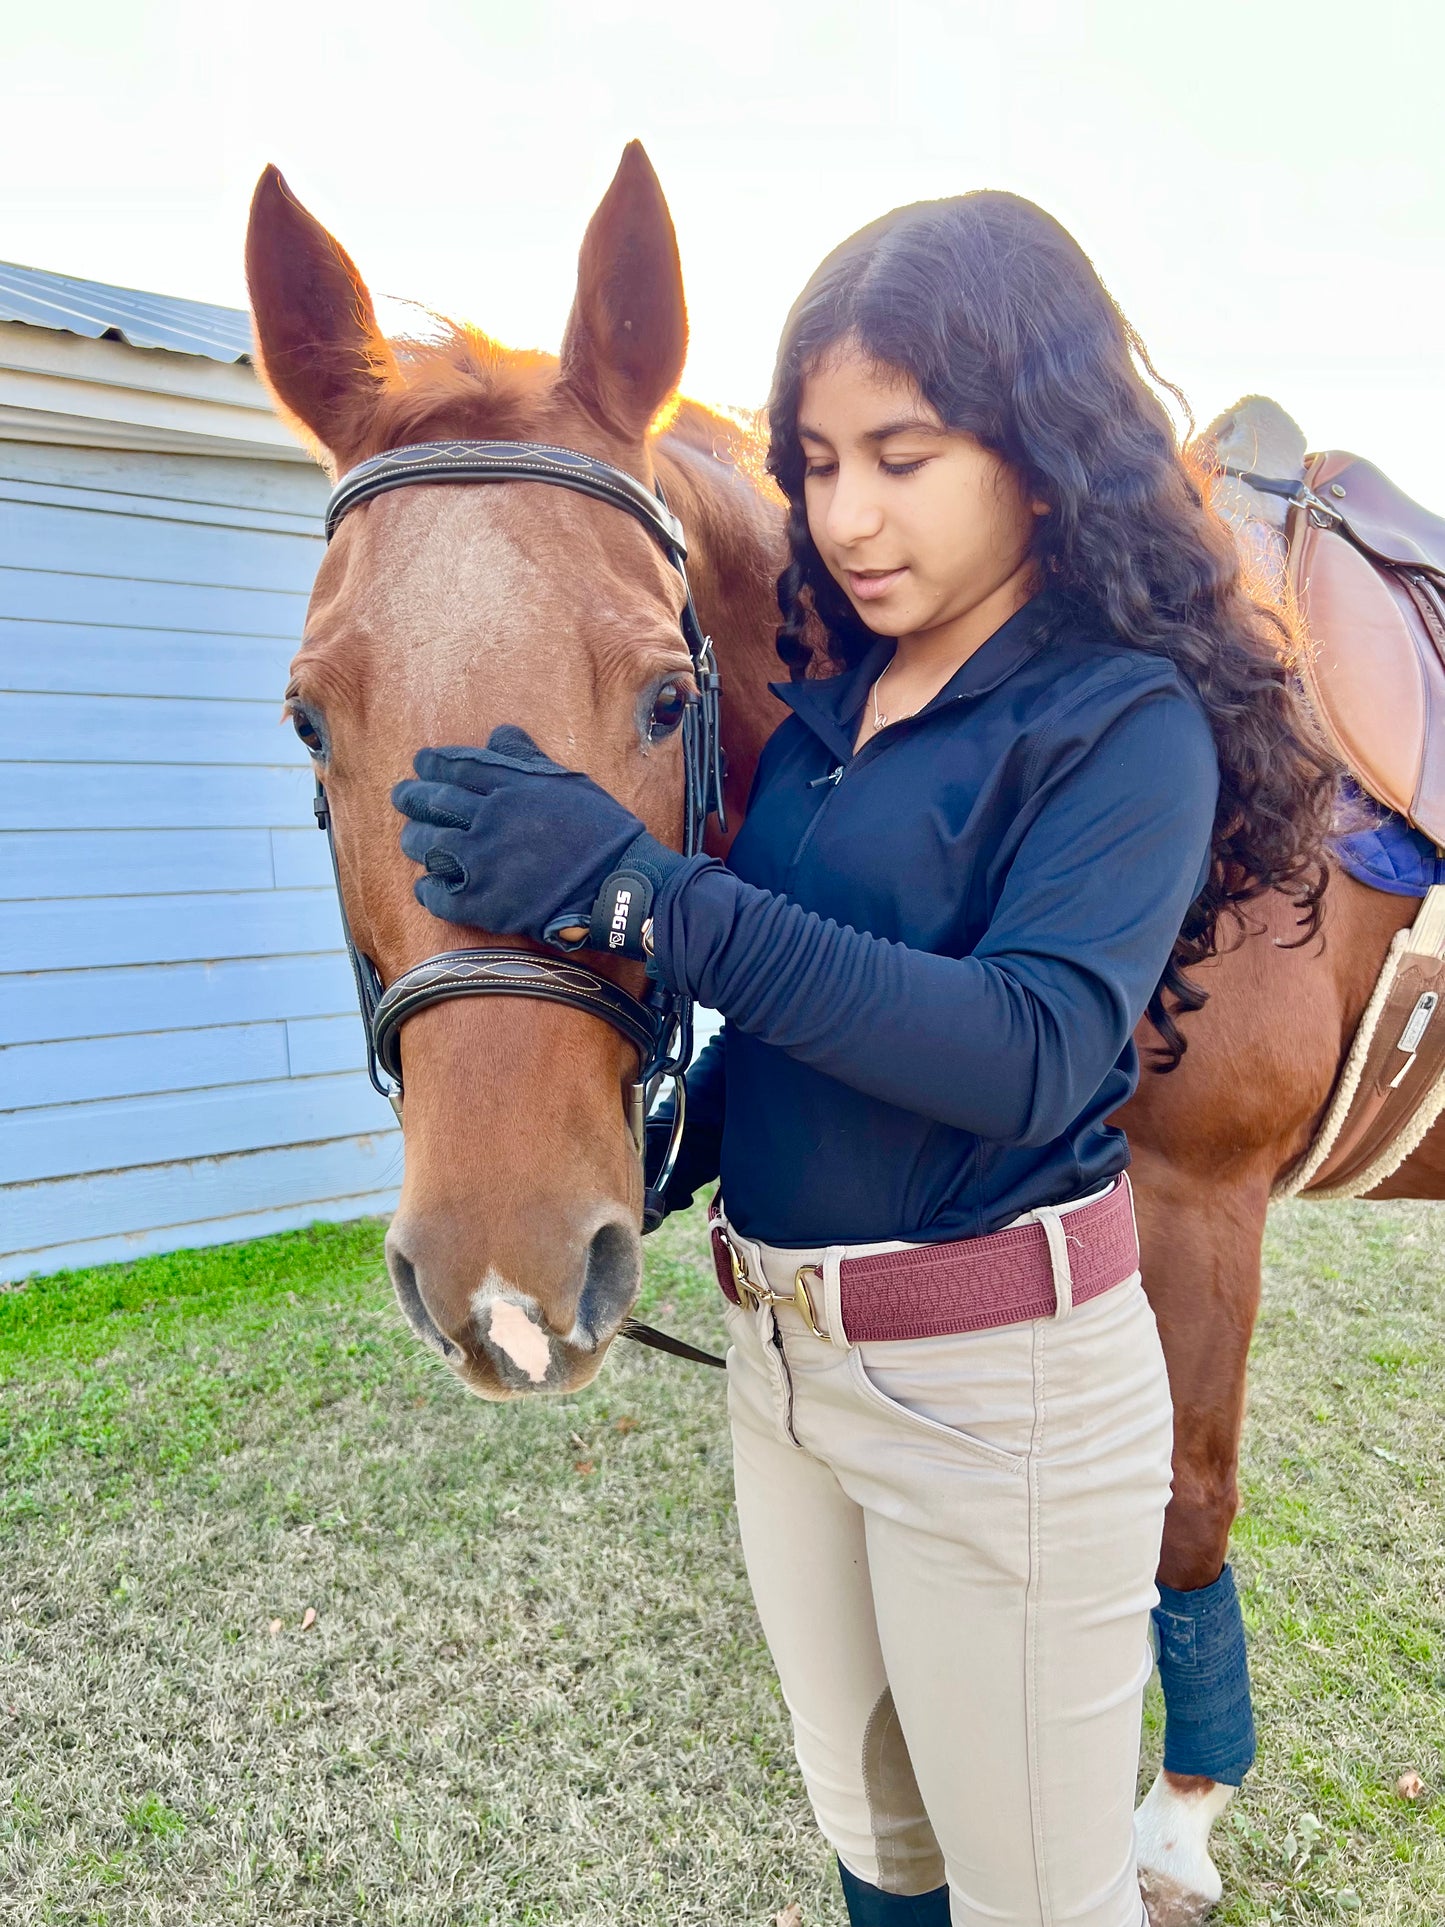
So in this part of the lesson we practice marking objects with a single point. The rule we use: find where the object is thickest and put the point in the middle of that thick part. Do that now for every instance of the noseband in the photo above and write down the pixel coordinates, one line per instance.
(659, 1026)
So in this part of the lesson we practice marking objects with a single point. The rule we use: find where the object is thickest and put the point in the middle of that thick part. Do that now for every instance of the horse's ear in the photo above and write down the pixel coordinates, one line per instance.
(319, 349)
(626, 338)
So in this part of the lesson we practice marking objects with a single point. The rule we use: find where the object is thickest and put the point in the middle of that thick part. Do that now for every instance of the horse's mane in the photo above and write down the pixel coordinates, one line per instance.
(462, 383)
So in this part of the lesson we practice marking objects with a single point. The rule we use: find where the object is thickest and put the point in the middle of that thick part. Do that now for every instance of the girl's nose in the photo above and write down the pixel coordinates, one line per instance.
(854, 513)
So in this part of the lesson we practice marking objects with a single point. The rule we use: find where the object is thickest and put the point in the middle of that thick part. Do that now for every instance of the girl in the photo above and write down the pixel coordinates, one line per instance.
(1055, 746)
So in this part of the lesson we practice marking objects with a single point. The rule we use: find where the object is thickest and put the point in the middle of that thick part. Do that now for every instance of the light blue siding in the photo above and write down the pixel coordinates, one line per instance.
(68, 658)
(157, 507)
(315, 1045)
(103, 796)
(135, 863)
(118, 1249)
(236, 990)
(180, 1057)
(106, 931)
(79, 1070)
(299, 860)
(120, 1133)
(37, 595)
(124, 1214)
(146, 548)
(140, 729)
(187, 485)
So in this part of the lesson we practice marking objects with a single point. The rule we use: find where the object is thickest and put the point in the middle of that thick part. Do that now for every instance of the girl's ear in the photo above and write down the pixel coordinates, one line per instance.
(318, 346)
(626, 338)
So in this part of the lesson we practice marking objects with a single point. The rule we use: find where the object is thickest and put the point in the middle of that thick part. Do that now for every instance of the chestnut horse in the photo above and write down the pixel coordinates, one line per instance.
(440, 612)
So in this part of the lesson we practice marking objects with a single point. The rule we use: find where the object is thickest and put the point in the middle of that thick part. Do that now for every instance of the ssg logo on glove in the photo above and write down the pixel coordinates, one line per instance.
(622, 908)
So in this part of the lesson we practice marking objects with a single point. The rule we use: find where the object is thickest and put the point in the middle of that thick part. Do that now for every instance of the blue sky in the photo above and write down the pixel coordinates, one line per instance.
(1262, 186)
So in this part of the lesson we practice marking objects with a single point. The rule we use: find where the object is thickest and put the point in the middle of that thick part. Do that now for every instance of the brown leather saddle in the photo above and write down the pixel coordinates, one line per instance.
(1367, 570)
(1367, 567)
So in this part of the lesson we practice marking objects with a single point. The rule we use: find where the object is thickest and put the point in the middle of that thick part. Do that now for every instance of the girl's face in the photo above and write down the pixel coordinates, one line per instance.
(917, 523)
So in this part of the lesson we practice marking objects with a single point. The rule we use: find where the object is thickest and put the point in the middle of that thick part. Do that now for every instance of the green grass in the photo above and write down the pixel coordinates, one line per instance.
(534, 1689)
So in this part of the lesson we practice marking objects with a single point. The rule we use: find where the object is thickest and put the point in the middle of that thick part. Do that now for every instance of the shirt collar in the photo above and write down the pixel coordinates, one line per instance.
(830, 705)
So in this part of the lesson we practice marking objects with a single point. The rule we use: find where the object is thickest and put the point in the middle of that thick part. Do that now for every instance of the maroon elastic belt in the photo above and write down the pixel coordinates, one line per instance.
(970, 1284)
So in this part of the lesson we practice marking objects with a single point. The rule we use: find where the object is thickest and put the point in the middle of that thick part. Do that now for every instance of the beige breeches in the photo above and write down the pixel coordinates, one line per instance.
(952, 1544)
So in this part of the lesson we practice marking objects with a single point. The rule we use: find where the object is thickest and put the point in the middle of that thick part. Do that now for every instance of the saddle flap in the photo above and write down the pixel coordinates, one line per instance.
(1374, 671)
(1363, 674)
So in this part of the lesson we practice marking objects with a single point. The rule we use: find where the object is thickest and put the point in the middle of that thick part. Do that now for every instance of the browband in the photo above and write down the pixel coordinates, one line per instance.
(507, 462)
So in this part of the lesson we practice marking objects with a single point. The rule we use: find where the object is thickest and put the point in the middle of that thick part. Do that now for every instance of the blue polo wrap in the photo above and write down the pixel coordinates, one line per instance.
(1203, 1668)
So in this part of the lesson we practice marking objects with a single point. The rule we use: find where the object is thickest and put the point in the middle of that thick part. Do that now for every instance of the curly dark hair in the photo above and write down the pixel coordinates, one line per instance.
(1000, 320)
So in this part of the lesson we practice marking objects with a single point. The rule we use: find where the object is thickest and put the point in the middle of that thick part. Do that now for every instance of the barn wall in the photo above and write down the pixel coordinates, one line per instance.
(180, 1056)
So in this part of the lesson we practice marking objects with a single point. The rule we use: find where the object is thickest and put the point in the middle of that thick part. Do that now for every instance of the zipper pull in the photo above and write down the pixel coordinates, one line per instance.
(832, 777)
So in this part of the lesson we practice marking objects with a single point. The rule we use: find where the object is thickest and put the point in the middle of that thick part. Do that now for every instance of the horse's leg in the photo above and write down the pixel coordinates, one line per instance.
(1201, 1261)
(1201, 1243)
(1208, 1141)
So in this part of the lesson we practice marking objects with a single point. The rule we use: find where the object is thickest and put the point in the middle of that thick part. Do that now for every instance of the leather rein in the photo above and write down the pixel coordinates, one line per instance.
(659, 1025)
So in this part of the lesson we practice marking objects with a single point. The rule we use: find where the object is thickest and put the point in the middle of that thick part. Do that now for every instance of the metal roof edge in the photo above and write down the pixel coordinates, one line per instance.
(98, 311)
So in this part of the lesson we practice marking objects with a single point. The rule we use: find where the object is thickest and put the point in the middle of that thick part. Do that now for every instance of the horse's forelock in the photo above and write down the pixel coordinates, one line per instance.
(463, 386)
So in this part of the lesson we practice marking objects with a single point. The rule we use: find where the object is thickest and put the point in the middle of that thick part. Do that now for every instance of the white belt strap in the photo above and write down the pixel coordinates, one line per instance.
(1048, 1216)
(833, 1298)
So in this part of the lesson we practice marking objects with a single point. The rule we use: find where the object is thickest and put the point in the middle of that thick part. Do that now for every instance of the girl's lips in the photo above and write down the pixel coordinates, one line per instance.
(868, 588)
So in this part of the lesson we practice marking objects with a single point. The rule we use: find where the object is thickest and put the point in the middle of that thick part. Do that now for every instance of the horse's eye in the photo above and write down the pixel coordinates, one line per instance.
(306, 729)
(668, 708)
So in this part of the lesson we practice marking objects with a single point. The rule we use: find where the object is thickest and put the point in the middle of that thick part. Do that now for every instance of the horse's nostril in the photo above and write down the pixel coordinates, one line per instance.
(408, 1292)
(614, 1273)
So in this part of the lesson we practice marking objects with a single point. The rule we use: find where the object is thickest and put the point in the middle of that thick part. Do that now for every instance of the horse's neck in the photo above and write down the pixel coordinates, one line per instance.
(735, 549)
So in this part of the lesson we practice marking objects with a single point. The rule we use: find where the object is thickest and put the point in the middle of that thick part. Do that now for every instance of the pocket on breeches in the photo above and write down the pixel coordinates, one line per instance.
(965, 1393)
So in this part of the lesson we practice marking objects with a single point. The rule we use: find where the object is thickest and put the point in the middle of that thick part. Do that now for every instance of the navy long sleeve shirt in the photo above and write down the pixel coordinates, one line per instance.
(931, 955)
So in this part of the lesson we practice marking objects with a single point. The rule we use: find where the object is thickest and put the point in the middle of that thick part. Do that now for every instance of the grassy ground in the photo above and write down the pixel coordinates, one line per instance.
(533, 1689)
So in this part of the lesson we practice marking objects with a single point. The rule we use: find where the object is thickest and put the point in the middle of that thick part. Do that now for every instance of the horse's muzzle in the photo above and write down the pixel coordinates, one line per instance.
(504, 1340)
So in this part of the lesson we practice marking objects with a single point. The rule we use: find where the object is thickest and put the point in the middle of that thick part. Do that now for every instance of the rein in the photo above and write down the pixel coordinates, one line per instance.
(659, 1026)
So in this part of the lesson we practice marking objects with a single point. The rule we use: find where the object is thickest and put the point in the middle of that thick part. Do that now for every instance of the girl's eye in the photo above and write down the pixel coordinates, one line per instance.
(668, 708)
(816, 469)
(306, 729)
(904, 468)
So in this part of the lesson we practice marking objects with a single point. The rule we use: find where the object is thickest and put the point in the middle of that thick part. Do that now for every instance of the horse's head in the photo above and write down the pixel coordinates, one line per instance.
(439, 612)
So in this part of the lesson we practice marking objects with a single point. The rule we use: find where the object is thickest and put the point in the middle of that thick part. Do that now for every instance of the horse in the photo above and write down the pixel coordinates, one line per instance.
(439, 612)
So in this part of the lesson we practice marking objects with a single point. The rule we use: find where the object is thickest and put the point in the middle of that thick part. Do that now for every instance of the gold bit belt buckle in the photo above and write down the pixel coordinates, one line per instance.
(757, 1295)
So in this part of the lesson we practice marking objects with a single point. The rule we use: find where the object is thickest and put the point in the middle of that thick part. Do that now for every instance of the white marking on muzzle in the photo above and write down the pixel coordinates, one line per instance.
(1171, 1834)
(512, 1321)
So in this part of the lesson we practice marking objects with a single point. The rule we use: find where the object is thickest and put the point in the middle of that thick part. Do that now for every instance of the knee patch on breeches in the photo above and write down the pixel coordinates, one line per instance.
(1204, 1670)
(909, 1859)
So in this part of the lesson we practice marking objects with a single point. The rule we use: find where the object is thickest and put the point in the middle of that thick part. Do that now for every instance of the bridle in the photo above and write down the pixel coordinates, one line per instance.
(659, 1026)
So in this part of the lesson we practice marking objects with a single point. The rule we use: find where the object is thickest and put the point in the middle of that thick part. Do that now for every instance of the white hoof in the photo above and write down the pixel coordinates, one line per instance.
(1179, 1881)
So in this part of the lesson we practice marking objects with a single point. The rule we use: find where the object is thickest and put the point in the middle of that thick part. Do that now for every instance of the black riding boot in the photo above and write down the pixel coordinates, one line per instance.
(871, 1907)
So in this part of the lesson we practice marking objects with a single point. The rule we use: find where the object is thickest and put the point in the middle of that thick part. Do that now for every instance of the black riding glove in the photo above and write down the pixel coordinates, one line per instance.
(516, 845)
